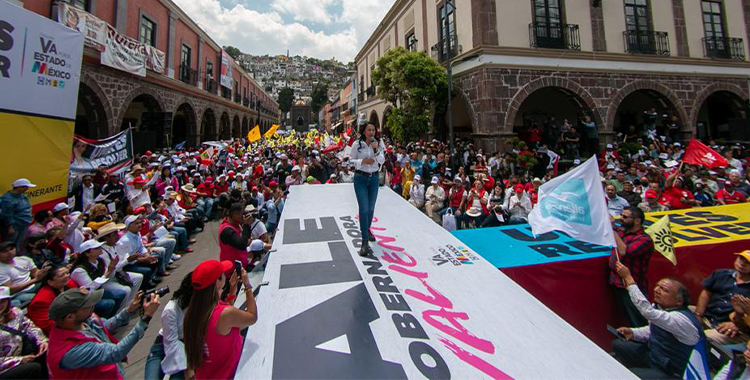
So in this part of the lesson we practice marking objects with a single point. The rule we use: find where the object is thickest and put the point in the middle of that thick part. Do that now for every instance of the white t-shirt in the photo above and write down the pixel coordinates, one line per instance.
(18, 272)
(258, 229)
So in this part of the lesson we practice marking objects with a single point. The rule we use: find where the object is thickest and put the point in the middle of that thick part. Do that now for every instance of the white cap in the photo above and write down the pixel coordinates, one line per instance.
(333, 175)
(576, 162)
(23, 182)
(677, 144)
(417, 178)
(90, 244)
(60, 206)
(536, 179)
(457, 178)
(131, 219)
(663, 156)
(610, 167)
(296, 168)
(435, 180)
(257, 245)
(283, 156)
(4, 292)
(609, 146)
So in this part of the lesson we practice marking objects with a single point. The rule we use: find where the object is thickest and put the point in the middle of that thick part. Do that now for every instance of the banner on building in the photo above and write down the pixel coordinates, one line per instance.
(226, 70)
(116, 153)
(117, 51)
(40, 69)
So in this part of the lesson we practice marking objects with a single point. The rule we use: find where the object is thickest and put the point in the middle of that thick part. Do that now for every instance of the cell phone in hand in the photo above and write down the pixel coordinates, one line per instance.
(238, 267)
(615, 332)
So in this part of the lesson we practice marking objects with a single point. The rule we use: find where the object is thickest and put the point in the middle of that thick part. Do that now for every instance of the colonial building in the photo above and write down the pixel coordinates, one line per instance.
(183, 102)
(516, 62)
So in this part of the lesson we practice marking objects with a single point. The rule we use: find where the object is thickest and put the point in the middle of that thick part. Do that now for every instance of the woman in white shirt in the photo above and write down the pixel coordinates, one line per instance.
(367, 156)
(167, 356)
(92, 272)
(416, 192)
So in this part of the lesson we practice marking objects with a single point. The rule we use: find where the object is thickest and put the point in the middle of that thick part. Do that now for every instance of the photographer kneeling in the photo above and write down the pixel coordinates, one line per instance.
(81, 345)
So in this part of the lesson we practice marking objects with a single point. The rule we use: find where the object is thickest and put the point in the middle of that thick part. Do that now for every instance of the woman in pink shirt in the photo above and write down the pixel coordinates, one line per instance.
(166, 179)
(211, 327)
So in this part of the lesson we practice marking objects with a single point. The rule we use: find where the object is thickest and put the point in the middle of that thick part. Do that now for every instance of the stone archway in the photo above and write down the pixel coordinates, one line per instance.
(138, 92)
(721, 113)
(184, 125)
(644, 85)
(144, 114)
(245, 126)
(708, 91)
(93, 114)
(572, 88)
(225, 129)
(208, 125)
(236, 127)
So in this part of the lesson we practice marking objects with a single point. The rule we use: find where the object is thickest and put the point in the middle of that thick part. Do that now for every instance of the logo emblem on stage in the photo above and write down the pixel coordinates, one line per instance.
(568, 202)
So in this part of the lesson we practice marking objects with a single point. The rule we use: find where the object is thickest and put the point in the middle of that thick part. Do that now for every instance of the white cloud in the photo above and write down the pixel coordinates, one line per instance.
(305, 10)
(364, 16)
(266, 33)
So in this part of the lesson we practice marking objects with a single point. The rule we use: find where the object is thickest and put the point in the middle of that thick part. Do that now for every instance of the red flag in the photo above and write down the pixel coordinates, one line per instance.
(699, 154)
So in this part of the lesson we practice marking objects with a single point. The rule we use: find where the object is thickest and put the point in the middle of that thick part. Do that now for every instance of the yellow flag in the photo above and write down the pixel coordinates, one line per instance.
(207, 154)
(271, 131)
(254, 134)
(661, 234)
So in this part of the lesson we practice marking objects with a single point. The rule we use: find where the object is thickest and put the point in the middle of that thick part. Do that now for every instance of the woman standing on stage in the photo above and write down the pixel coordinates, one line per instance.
(211, 327)
(367, 156)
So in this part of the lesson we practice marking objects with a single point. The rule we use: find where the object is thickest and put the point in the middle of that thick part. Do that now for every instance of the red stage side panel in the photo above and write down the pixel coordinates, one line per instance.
(578, 291)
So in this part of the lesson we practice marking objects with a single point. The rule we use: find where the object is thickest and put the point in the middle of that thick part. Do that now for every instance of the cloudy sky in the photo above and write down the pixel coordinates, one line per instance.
(316, 28)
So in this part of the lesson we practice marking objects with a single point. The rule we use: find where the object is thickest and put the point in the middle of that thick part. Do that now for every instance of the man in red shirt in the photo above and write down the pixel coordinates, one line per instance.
(679, 197)
(728, 195)
(207, 192)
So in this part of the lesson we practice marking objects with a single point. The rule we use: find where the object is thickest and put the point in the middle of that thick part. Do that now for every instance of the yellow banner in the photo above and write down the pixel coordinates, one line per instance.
(707, 225)
(37, 148)
(271, 131)
(254, 134)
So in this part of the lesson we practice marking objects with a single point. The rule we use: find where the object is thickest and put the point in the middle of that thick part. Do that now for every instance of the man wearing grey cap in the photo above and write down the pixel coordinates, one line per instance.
(16, 211)
(81, 344)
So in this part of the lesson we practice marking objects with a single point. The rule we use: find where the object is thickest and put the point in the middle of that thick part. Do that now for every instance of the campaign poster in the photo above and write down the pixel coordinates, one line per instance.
(116, 153)
(226, 70)
(40, 60)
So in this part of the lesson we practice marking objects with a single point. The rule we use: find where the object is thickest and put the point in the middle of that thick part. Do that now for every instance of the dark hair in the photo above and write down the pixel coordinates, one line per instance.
(51, 274)
(236, 207)
(362, 128)
(34, 238)
(195, 323)
(82, 261)
(637, 214)
(185, 292)
(41, 215)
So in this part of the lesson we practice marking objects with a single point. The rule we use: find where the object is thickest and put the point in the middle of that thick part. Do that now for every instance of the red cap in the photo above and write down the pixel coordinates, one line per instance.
(139, 181)
(209, 179)
(273, 184)
(519, 187)
(255, 188)
(650, 194)
(148, 153)
(207, 272)
(139, 210)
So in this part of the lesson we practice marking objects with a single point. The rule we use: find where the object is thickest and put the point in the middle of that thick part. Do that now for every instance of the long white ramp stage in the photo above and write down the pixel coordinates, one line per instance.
(423, 306)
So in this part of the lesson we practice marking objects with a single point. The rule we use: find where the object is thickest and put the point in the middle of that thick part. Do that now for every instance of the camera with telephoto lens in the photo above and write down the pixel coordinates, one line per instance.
(161, 292)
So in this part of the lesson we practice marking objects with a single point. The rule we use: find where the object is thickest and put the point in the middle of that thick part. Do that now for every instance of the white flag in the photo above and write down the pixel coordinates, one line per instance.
(574, 203)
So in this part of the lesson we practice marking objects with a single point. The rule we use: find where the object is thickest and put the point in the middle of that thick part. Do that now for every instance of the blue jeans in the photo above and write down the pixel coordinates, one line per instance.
(147, 272)
(109, 304)
(153, 363)
(182, 237)
(366, 189)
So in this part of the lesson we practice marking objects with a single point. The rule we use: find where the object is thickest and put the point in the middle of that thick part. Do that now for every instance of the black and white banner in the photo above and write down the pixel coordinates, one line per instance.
(116, 153)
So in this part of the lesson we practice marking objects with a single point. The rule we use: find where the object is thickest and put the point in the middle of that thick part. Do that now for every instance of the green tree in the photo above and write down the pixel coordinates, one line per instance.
(286, 97)
(232, 51)
(415, 85)
(319, 97)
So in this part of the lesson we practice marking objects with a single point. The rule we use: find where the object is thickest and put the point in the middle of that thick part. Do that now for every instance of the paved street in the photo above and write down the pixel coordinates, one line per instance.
(207, 247)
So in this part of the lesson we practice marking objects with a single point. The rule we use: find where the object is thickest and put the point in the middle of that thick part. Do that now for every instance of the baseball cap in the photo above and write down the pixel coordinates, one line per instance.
(139, 181)
(650, 194)
(284, 157)
(60, 206)
(296, 168)
(610, 167)
(22, 182)
(435, 180)
(457, 179)
(4, 292)
(209, 179)
(71, 300)
(257, 245)
(207, 272)
(576, 162)
(130, 219)
(417, 178)
(333, 175)
(273, 184)
(745, 254)
(518, 187)
(255, 188)
(89, 245)
(609, 146)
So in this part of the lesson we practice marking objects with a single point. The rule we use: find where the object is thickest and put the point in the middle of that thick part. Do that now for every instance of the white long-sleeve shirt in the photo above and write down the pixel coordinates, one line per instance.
(416, 192)
(81, 277)
(439, 194)
(361, 150)
(174, 349)
(673, 321)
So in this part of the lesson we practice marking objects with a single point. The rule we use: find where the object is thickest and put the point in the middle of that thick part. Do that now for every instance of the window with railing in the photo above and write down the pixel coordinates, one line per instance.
(187, 74)
(555, 36)
(209, 84)
(148, 31)
(716, 43)
(444, 50)
(646, 42)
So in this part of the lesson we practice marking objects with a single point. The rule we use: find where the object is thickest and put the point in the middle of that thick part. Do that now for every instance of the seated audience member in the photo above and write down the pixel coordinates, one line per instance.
(36, 249)
(662, 349)
(167, 356)
(257, 228)
(738, 368)
(82, 345)
(652, 203)
(56, 281)
(435, 199)
(91, 272)
(19, 274)
(20, 360)
(518, 205)
(615, 203)
(131, 244)
(714, 303)
(139, 277)
(41, 220)
(417, 192)
(98, 216)
(729, 195)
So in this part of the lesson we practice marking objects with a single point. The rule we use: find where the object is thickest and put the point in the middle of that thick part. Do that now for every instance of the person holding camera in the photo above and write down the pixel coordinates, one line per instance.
(213, 343)
(22, 343)
(167, 355)
(234, 235)
(82, 345)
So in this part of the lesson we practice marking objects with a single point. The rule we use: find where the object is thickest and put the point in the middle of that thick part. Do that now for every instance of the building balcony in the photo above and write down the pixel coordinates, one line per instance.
(724, 47)
(554, 36)
(361, 97)
(646, 42)
(446, 48)
(246, 102)
(188, 75)
(209, 85)
(237, 98)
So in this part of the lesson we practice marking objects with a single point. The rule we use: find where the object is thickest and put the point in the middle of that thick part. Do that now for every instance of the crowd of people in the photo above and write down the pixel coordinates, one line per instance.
(73, 274)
